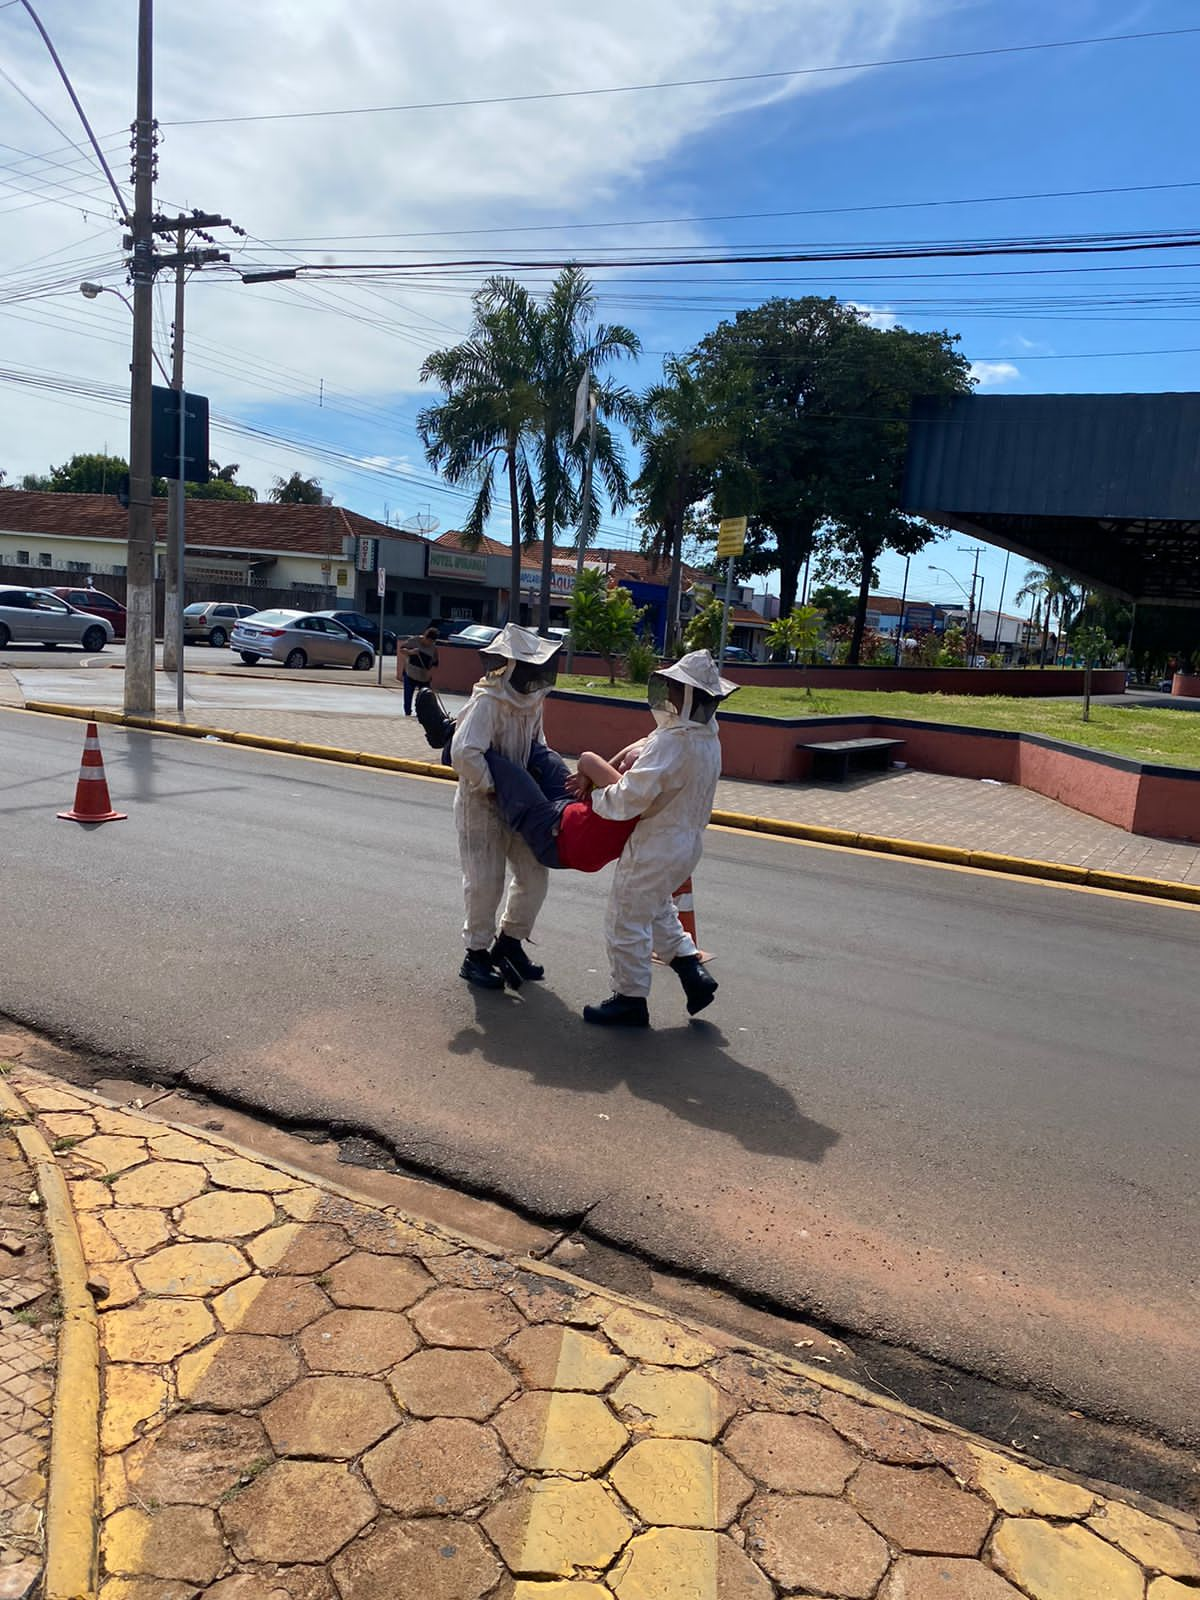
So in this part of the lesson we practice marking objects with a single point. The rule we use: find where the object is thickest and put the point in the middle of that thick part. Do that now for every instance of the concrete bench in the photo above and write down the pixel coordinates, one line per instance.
(834, 760)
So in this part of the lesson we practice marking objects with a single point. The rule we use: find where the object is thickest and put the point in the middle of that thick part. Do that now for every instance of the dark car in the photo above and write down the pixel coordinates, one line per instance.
(366, 628)
(97, 605)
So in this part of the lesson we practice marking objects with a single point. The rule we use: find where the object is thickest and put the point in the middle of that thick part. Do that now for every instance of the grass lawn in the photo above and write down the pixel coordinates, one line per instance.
(1171, 738)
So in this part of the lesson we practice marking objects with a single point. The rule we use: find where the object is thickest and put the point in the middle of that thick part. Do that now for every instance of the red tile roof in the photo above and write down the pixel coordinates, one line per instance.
(744, 617)
(630, 564)
(222, 524)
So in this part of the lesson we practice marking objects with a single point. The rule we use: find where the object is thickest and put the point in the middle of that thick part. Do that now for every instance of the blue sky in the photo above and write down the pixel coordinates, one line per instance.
(333, 368)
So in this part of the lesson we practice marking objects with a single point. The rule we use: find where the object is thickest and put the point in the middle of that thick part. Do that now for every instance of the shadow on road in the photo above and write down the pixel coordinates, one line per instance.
(688, 1070)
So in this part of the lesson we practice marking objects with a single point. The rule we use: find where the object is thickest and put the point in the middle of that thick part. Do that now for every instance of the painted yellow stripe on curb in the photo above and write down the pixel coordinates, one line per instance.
(74, 1487)
(1030, 868)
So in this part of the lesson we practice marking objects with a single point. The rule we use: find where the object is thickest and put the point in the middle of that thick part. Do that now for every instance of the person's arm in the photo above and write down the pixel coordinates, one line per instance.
(651, 777)
(599, 773)
(472, 738)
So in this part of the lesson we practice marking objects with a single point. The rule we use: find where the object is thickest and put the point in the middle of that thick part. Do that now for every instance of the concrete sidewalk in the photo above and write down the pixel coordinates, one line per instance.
(307, 1394)
(923, 806)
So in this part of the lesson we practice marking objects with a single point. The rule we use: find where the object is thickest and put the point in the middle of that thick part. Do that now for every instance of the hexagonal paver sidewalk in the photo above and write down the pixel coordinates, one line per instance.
(306, 1396)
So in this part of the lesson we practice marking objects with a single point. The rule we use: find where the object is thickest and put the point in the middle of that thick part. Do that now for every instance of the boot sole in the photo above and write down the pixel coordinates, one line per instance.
(482, 983)
(699, 1002)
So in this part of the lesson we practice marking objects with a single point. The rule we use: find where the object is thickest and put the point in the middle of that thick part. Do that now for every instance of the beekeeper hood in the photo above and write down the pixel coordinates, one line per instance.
(703, 690)
(520, 660)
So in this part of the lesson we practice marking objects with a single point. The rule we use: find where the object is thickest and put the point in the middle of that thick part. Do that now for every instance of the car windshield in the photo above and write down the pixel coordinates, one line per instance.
(484, 634)
(194, 610)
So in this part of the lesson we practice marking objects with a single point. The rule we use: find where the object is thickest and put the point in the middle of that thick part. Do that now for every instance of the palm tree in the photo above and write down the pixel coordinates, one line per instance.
(568, 345)
(1054, 595)
(680, 444)
(488, 415)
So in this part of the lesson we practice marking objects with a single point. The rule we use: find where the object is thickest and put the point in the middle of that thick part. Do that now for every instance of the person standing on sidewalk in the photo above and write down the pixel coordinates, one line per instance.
(504, 713)
(670, 786)
(420, 658)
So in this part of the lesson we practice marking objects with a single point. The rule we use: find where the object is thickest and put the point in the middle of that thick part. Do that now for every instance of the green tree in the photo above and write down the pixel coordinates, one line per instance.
(297, 491)
(836, 605)
(703, 632)
(797, 636)
(222, 485)
(488, 415)
(767, 376)
(603, 621)
(680, 440)
(1091, 642)
(89, 473)
(873, 378)
(568, 343)
(1055, 597)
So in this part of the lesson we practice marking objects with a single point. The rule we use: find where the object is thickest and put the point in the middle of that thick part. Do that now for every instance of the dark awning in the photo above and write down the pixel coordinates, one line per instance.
(1103, 487)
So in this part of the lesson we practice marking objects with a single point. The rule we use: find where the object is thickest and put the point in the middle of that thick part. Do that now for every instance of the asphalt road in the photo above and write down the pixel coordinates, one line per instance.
(956, 1111)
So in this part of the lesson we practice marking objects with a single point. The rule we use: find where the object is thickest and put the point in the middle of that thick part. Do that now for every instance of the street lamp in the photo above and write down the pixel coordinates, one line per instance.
(93, 291)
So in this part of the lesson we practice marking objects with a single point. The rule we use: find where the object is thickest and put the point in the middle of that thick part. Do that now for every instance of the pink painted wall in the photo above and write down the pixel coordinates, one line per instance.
(459, 668)
(770, 751)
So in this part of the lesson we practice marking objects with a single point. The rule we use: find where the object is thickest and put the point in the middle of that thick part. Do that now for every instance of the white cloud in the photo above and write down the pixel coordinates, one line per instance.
(874, 316)
(300, 181)
(994, 374)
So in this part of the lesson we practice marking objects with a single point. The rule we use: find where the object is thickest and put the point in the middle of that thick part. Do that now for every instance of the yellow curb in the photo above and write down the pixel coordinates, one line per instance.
(73, 1495)
(846, 838)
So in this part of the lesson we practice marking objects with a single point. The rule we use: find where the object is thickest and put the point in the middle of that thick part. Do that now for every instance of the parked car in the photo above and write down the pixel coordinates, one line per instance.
(35, 616)
(365, 627)
(478, 636)
(212, 620)
(299, 639)
(97, 604)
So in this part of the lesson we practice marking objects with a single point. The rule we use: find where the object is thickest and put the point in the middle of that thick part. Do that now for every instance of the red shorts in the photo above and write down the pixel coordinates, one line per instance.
(587, 842)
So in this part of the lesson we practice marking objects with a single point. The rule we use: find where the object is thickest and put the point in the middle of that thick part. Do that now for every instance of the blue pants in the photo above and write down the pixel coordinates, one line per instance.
(410, 689)
(531, 799)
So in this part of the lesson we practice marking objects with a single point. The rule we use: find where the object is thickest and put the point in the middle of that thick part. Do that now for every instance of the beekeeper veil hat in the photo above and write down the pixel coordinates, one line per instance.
(703, 688)
(522, 659)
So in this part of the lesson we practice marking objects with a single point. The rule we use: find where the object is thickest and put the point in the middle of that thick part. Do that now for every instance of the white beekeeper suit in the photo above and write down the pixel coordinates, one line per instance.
(504, 713)
(671, 788)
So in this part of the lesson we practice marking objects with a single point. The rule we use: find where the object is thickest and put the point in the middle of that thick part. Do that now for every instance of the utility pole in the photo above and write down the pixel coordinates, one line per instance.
(966, 550)
(176, 512)
(139, 644)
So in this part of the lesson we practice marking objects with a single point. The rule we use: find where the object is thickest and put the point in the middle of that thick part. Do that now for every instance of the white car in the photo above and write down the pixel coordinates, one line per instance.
(35, 616)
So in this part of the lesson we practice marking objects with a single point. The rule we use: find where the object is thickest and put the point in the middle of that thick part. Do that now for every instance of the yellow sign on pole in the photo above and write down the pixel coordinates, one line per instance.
(731, 537)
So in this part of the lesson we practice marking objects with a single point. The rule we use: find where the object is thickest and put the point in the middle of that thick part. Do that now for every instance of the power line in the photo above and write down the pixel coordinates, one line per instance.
(688, 83)
(742, 216)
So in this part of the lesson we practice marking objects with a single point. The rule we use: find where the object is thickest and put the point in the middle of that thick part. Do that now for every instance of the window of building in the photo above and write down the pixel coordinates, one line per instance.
(45, 559)
(22, 558)
(77, 566)
(416, 605)
(119, 572)
(389, 603)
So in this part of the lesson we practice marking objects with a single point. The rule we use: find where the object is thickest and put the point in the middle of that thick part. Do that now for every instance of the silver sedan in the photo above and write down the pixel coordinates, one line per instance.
(299, 639)
(35, 616)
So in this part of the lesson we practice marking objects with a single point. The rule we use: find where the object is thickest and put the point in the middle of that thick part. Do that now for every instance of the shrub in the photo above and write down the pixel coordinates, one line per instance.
(641, 661)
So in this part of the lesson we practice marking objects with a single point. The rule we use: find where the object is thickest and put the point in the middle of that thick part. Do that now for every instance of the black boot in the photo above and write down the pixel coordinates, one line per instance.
(479, 969)
(431, 714)
(698, 982)
(508, 954)
(619, 1011)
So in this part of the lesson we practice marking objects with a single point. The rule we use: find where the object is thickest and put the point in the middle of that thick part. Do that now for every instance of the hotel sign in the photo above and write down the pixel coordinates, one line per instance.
(464, 565)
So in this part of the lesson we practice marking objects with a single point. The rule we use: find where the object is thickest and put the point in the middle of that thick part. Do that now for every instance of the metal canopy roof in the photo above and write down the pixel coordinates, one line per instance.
(1103, 487)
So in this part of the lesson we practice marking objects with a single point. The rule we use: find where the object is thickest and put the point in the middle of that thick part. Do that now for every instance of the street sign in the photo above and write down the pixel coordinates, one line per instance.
(731, 537)
(381, 582)
(164, 435)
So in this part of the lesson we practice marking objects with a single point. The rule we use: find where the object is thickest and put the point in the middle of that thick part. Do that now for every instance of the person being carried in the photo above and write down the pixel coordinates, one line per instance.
(549, 806)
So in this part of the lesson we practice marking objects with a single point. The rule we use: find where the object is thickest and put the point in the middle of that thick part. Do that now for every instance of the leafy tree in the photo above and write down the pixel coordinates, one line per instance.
(873, 378)
(222, 485)
(91, 473)
(603, 620)
(797, 636)
(568, 343)
(488, 415)
(1089, 640)
(297, 491)
(837, 605)
(681, 440)
(703, 632)
(767, 374)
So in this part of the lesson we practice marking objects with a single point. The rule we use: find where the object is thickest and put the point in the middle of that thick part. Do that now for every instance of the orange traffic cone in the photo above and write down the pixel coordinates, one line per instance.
(91, 792)
(685, 904)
